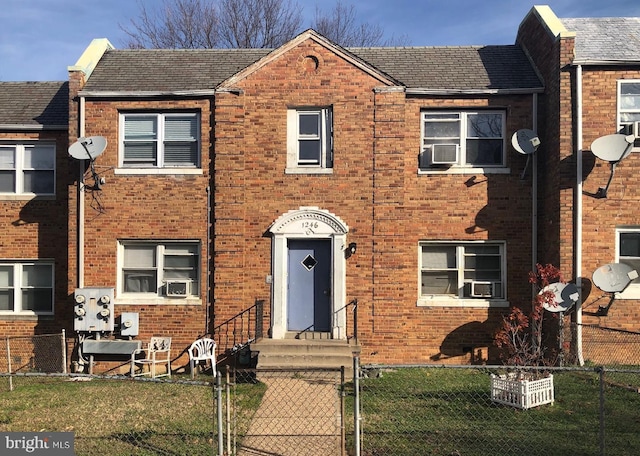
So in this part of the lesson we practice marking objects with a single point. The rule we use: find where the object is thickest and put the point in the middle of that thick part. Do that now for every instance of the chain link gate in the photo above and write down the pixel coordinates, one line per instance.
(284, 412)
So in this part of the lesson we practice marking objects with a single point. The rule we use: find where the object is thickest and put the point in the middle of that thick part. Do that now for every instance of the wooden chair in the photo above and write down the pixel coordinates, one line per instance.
(202, 350)
(157, 352)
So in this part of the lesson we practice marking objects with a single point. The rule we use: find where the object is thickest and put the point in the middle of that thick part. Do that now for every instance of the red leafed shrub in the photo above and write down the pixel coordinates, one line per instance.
(519, 335)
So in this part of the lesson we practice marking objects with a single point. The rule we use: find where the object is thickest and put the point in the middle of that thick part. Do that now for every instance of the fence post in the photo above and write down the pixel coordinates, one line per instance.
(218, 388)
(64, 352)
(356, 405)
(602, 417)
(228, 398)
(9, 364)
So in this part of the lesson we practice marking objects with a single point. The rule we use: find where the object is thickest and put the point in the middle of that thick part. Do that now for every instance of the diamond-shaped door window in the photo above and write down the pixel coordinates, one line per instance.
(309, 262)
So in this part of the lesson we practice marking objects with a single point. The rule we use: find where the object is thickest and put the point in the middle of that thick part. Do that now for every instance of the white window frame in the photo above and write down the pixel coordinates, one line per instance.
(626, 112)
(16, 286)
(160, 164)
(458, 298)
(20, 168)
(298, 165)
(633, 290)
(159, 296)
(424, 163)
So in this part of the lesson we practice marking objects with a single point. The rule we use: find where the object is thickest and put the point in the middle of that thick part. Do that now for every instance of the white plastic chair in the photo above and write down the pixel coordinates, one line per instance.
(202, 350)
(158, 351)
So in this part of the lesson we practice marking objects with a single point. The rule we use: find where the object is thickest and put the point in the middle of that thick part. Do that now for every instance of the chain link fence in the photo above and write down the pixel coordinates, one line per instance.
(384, 410)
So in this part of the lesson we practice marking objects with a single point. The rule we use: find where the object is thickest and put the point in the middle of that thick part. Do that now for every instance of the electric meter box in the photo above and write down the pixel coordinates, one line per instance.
(93, 309)
(129, 324)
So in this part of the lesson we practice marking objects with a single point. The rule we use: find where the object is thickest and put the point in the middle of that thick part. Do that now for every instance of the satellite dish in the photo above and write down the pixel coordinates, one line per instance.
(525, 142)
(88, 148)
(613, 278)
(611, 148)
(566, 295)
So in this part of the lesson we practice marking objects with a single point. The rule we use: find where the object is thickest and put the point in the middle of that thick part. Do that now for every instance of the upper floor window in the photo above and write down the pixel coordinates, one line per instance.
(309, 139)
(165, 140)
(473, 270)
(629, 108)
(27, 168)
(159, 269)
(26, 287)
(462, 139)
(628, 251)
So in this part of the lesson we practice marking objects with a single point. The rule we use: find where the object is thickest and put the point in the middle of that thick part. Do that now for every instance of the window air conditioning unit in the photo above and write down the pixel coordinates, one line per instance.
(444, 154)
(177, 288)
(483, 289)
(632, 128)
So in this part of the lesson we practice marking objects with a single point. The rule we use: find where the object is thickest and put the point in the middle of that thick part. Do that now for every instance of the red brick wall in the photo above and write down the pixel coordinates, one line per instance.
(37, 229)
(375, 189)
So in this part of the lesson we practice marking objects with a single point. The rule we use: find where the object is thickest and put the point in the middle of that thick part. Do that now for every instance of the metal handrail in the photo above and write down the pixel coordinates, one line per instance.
(240, 330)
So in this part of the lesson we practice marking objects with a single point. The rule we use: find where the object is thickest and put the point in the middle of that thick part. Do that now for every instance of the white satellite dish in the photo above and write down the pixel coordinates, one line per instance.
(614, 277)
(525, 141)
(611, 148)
(88, 148)
(565, 296)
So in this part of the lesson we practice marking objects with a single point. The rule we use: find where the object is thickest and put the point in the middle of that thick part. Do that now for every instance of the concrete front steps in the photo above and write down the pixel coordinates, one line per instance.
(305, 353)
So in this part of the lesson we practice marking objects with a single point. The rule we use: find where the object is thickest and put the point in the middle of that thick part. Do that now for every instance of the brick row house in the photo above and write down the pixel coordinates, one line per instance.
(268, 197)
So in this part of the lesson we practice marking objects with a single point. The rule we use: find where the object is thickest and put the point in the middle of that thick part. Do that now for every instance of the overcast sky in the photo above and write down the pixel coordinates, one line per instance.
(39, 39)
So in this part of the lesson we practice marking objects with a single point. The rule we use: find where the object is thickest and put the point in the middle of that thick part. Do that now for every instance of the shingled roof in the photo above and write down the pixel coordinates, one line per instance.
(34, 105)
(459, 69)
(605, 39)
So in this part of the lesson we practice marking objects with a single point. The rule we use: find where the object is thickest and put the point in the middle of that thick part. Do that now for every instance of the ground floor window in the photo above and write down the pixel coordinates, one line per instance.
(167, 269)
(473, 270)
(26, 287)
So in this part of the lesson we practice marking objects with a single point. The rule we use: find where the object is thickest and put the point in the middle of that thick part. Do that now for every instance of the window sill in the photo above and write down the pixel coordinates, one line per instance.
(26, 197)
(455, 302)
(157, 300)
(461, 170)
(13, 316)
(630, 293)
(308, 171)
(158, 171)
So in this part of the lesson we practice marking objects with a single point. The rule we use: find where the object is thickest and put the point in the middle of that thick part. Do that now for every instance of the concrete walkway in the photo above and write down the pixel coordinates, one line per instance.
(299, 415)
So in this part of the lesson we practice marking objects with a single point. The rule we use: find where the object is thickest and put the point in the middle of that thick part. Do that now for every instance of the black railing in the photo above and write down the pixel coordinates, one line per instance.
(235, 334)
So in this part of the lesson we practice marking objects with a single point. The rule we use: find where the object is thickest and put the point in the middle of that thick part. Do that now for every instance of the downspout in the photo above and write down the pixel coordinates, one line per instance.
(80, 196)
(207, 267)
(578, 221)
(534, 192)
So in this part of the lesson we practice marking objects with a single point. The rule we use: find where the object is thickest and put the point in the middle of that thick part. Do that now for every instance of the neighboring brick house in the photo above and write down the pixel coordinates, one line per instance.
(312, 176)
(591, 71)
(33, 207)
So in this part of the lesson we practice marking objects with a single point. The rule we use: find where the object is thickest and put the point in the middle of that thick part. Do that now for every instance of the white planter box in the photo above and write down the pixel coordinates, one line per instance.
(523, 394)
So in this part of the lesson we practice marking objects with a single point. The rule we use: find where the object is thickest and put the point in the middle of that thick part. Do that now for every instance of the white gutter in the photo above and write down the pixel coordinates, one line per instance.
(578, 221)
(80, 195)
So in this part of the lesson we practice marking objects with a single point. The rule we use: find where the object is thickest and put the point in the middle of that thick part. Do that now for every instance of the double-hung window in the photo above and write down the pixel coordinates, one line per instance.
(159, 140)
(26, 287)
(462, 139)
(628, 252)
(629, 109)
(27, 168)
(309, 139)
(159, 269)
(473, 270)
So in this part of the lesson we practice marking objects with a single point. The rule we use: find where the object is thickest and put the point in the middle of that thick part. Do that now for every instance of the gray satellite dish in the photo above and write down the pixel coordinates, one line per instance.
(566, 295)
(525, 142)
(613, 278)
(88, 148)
(611, 148)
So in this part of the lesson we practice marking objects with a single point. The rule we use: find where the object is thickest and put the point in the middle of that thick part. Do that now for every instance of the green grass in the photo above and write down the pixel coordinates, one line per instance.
(121, 417)
(446, 411)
